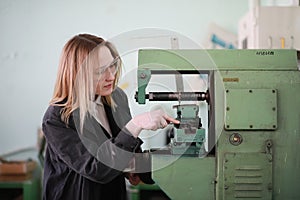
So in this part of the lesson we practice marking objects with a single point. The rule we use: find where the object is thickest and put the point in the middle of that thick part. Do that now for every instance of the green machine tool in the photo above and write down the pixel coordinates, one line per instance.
(250, 146)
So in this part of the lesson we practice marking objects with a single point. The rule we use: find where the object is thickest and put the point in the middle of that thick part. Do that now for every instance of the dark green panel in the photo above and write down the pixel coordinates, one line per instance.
(285, 138)
(189, 178)
(251, 109)
(247, 176)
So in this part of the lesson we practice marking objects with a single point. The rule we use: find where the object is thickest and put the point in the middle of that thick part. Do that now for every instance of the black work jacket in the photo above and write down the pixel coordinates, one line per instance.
(89, 165)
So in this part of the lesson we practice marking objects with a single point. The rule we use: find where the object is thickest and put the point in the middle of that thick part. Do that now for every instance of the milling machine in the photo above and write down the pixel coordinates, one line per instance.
(249, 147)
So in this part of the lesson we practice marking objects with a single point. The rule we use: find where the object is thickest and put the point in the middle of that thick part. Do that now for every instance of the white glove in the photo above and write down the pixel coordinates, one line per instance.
(152, 120)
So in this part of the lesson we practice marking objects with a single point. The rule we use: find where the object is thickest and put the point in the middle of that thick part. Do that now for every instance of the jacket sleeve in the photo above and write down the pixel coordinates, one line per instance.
(98, 159)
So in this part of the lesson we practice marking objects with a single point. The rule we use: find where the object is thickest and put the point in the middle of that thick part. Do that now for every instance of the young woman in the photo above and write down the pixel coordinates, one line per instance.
(90, 134)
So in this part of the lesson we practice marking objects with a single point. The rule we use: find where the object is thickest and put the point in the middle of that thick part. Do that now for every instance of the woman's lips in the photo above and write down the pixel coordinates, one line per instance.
(108, 86)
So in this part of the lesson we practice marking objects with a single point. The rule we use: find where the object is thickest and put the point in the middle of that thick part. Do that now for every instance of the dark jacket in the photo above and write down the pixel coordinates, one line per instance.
(88, 165)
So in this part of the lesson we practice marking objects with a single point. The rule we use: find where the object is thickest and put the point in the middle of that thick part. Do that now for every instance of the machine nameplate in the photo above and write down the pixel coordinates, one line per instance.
(231, 80)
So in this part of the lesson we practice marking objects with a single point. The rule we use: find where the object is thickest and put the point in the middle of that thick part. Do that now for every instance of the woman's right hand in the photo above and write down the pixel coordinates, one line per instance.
(152, 120)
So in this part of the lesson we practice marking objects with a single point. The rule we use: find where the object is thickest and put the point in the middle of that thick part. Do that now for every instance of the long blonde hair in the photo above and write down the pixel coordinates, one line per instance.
(74, 86)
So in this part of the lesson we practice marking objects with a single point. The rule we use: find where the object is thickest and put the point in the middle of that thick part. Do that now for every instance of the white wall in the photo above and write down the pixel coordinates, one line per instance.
(33, 33)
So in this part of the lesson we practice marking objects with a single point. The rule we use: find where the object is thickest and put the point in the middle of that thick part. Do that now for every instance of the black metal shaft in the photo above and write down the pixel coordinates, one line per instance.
(178, 96)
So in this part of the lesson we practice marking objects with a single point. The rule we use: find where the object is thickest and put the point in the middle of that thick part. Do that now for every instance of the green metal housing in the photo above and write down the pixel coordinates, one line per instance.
(255, 126)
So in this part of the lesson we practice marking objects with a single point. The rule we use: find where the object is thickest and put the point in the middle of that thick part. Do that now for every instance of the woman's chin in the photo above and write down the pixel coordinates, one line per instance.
(106, 92)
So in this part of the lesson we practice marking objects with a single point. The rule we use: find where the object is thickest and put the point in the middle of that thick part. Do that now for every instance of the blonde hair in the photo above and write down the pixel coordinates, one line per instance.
(74, 86)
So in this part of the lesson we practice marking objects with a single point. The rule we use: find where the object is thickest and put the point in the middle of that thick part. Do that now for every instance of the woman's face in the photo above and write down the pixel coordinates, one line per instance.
(104, 74)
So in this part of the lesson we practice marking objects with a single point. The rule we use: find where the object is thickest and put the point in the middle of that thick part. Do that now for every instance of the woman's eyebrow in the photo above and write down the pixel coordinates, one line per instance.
(111, 63)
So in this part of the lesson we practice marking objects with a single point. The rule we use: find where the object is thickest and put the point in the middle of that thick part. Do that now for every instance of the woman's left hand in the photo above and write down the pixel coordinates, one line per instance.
(134, 179)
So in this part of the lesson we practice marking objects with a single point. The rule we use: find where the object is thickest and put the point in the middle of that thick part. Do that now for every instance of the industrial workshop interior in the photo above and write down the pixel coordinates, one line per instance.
(223, 76)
